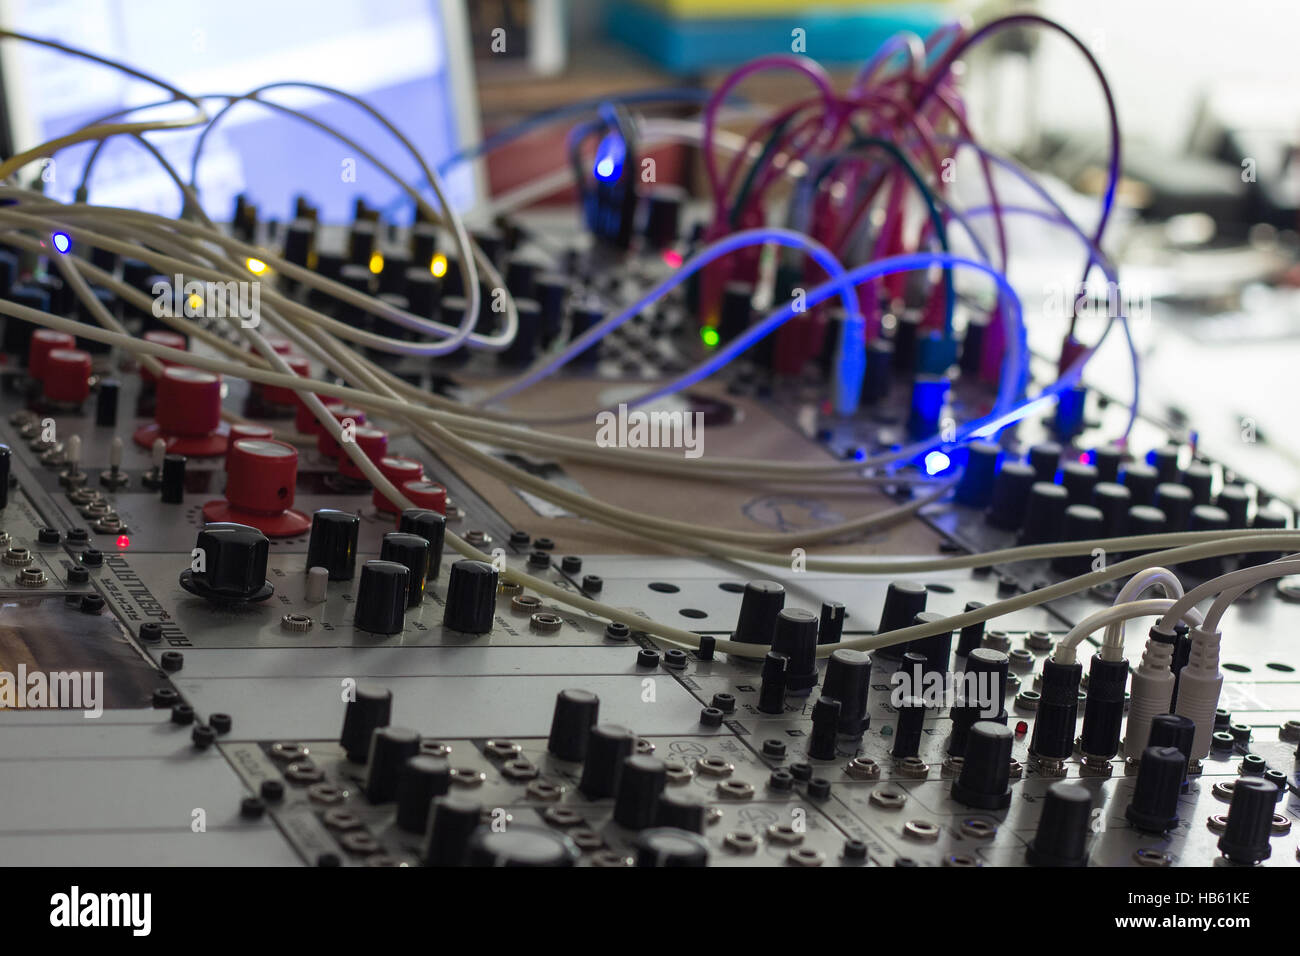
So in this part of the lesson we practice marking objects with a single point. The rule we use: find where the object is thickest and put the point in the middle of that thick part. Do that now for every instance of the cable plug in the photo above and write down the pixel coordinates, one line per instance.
(1153, 688)
(1199, 685)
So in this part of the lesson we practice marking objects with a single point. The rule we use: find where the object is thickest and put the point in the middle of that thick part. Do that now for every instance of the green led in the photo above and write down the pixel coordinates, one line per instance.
(710, 336)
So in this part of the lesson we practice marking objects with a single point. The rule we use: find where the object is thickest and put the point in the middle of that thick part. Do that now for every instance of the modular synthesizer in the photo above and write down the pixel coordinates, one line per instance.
(295, 575)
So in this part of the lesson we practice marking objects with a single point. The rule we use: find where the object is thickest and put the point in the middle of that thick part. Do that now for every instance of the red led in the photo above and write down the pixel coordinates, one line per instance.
(123, 541)
(1022, 728)
(673, 258)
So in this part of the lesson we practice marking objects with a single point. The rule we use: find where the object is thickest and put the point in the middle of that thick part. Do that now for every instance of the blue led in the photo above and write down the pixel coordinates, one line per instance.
(610, 155)
(61, 242)
(935, 462)
(929, 395)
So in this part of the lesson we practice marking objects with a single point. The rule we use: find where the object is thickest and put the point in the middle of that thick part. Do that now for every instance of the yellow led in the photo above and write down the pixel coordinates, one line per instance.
(376, 263)
(256, 266)
(438, 265)
(195, 302)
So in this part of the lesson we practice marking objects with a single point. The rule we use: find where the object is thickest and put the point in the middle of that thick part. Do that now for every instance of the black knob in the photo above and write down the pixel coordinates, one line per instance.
(1145, 519)
(551, 291)
(1044, 514)
(663, 213)
(361, 242)
(106, 403)
(333, 543)
(424, 245)
(668, 846)
(298, 238)
(1198, 478)
(1044, 459)
(1172, 730)
(830, 627)
(736, 310)
(430, 526)
(390, 748)
(471, 597)
(1113, 501)
(878, 374)
(1207, 518)
(229, 565)
(908, 728)
(1081, 523)
(639, 786)
(759, 606)
(1235, 502)
(1107, 461)
(571, 722)
(771, 689)
(1103, 711)
(1141, 480)
(681, 811)
(422, 778)
(581, 318)
(173, 479)
(1078, 480)
(1010, 495)
(523, 349)
(985, 778)
(847, 679)
(825, 726)
(608, 745)
(1063, 825)
(1250, 821)
(412, 552)
(904, 600)
(520, 846)
(381, 597)
(455, 820)
(983, 697)
(369, 709)
(935, 649)
(6, 463)
(972, 634)
(1271, 519)
(1058, 708)
(1165, 462)
(796, 637)
(1154, 808)
(905, 336)
(975, 489)
(1176, 502)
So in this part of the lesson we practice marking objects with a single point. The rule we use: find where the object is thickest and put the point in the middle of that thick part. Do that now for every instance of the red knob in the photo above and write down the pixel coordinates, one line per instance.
(246, 430)
(163, 337)
(305, 422)
(260, 479)
(278, 394)
(67, 376)
(399, 471)
(189, 402)
(45, 341)
(426, 494)
(373, 443)
(325, 443)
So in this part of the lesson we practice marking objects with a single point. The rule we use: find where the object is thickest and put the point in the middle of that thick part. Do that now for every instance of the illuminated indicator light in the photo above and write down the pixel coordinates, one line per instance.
(62, 242)
(438, 265)
(1022, 728)
(936, 462)
(710, 336)
(256, 266)
(195, 302)
(673, 258)
(376, 263)
(123, 541)
(609, 158)
(1085, 458)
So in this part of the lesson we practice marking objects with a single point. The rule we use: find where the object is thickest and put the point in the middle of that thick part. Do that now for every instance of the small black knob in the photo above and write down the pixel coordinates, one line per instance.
(1063, 825)
(412, 552)
(663, 213)
(1010, 495)
(759, 606)
(106, 403)
(455, 819)
(639, 786)
(682, 811)
(173, 479)
(972, 634)
(1250, 821)
(1044, 459)
(369, 709)
(1171, 730)
(229, 565)
(1078, 480)
(908, 729)
(668, 846)
(984, 781)
(975, 489)
(772, 687)
(430, 526)
(1141, 480)
(1176, 502)
(1154, 807)
(796, 637)
(1207, 518)
(984, 695)
(608, 745)
(825, 726)
(333, 543)
(1081, 523)
(390, 748)
(471, 597)
(422, 778)
(1165, 462)
(1198, 478)
(936, 649)
(830, 626)
(1113, 501)
(520, 846)
(847, 679)
(1044, 514)
(1107, 461)
(904, 600)
(1145, 519)
(571, 722)
(1235, 502)
(381, 597)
